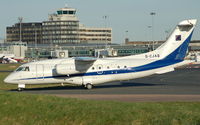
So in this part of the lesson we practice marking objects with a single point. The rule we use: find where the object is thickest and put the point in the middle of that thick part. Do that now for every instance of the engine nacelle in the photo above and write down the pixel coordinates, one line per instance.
(64, 69)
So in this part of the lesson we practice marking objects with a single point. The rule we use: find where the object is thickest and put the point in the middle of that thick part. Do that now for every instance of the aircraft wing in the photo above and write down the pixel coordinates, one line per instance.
(11, 60)
(7, 59)
(85, 59)
(84, 63)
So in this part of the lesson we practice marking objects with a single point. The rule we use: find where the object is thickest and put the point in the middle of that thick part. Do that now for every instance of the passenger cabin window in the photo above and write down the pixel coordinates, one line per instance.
(22, 69)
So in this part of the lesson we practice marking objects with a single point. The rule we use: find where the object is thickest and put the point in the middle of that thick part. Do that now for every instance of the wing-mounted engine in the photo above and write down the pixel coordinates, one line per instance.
(78, 65)
(65, 69)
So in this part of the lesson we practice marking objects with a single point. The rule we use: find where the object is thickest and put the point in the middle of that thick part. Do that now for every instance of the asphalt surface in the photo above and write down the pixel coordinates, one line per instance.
(181, 85)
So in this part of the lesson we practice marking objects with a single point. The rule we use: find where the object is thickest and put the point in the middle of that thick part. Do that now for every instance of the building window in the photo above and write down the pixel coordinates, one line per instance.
(71, 12)
(65, 12)
(59, 12)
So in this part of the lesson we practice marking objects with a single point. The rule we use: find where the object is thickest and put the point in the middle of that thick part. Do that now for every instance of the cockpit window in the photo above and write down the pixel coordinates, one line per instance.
(23, 69)
(27, 68)
(19, 69)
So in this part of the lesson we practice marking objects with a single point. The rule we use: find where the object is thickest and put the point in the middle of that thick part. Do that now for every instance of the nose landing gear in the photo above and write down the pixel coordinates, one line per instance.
(21, 87)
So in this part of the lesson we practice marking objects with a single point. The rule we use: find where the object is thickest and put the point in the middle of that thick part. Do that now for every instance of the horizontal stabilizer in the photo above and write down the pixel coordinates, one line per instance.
(184, 63)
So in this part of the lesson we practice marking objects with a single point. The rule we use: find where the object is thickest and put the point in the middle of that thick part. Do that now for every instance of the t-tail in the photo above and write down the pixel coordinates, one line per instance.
(176, 46)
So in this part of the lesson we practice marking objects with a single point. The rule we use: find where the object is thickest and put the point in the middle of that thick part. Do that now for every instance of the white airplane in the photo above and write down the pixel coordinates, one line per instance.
(7, 58)
(89, 71)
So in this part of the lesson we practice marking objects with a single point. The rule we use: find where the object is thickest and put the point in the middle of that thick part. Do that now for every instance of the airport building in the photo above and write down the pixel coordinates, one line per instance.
(1, 41)
(194, 45)
(85, 51)
(62, 27)
(30, 32)
(81, 50)
(95, 35)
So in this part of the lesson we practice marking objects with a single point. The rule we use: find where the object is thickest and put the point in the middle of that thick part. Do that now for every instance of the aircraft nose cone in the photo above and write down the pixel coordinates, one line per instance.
(8, 80)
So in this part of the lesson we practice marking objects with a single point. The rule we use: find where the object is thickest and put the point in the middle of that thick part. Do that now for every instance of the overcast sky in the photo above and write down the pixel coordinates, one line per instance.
(123, 15)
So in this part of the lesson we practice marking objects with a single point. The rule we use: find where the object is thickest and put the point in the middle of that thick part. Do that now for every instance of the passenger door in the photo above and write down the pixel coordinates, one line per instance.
(40, 72)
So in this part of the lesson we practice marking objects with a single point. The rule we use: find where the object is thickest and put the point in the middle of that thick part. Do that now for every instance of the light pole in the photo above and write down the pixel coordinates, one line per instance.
(35, 37)
(126, 37)
(35, 30)
(153, 14)
(149, 37)
(126, 33)
(20, 28)
(105, 18)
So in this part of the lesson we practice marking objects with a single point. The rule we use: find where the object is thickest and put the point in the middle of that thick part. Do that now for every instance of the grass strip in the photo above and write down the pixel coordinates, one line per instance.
(27, 109)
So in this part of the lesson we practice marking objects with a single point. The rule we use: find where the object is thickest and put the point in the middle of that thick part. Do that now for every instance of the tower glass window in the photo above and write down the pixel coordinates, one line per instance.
(71, 12)
(59, 12)
(65, 12)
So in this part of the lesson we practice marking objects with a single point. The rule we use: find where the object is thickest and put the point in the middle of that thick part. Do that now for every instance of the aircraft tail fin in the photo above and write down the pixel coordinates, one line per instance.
(175, 48)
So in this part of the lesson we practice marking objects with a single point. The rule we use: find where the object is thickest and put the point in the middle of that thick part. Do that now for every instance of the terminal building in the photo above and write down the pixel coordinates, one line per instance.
(62, 27)
(95, 35)
(30, 32)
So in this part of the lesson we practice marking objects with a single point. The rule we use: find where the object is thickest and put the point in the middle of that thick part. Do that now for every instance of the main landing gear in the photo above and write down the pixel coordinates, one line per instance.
(88, 86)
(19, 89)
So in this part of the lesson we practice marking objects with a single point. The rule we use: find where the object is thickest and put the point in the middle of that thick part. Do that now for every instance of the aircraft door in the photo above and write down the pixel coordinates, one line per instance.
(40, 72)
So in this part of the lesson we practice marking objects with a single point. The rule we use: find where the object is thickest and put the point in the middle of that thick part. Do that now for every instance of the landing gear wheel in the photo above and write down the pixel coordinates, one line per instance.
(19, 89)
(88, 86)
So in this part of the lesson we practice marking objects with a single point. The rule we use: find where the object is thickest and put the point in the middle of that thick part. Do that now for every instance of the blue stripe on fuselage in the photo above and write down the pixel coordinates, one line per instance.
(150, 66)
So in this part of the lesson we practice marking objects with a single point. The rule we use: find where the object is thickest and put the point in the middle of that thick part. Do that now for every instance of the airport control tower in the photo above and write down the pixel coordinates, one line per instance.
(62, 27)
(64, 14)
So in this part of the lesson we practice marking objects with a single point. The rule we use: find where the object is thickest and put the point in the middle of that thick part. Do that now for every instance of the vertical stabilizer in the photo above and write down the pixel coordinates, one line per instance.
(176, 46)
